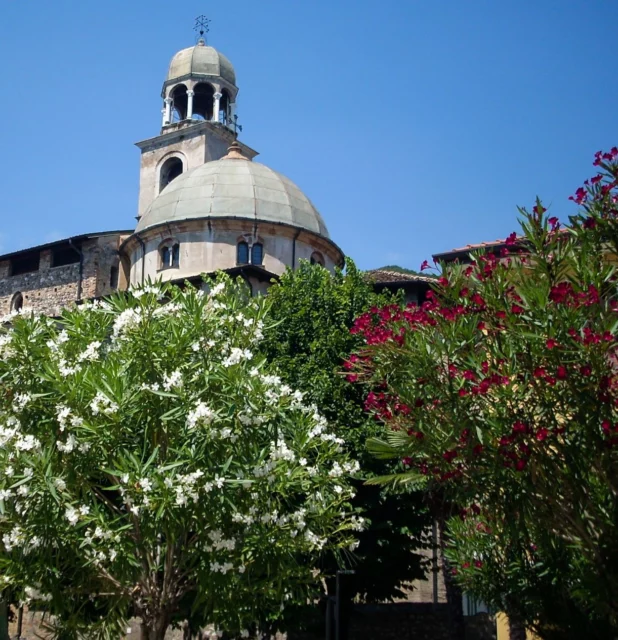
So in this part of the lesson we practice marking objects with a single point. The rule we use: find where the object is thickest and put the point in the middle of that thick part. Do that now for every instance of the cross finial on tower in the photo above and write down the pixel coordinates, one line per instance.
(202, 24)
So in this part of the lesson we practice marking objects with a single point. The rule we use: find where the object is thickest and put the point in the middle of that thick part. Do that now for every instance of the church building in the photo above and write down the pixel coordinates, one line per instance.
(204, 205)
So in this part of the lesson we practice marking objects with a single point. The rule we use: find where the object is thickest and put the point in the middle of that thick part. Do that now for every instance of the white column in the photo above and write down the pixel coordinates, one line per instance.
(217, 106)
(190, 95)
(168, 111)
(163, 117)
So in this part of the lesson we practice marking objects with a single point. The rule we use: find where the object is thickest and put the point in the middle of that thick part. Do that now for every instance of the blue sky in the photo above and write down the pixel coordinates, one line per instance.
(414, 127)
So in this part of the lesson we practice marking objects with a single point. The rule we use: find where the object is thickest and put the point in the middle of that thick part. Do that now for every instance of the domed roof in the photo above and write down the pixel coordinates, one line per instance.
(233, 187)
(201, 60)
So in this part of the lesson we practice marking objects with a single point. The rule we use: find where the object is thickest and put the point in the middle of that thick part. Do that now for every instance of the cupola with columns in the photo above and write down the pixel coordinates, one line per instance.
(200, 86)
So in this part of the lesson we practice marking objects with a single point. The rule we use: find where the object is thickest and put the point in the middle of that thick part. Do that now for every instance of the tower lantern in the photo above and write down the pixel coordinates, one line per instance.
(199, 117)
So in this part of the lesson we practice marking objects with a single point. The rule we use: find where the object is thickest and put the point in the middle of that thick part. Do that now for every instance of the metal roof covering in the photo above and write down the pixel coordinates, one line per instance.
(234, 187)
(200, 60)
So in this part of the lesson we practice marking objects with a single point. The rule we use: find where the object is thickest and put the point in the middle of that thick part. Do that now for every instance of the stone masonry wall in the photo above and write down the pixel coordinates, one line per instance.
(49, 289)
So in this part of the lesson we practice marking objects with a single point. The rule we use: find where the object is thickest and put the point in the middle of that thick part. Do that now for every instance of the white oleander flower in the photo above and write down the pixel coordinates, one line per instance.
(172, 380)
(72, 515)
(201, 414)
(91, 353)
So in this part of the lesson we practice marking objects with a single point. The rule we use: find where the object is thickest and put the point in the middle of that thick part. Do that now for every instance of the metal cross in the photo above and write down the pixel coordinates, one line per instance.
(234, 124)
(202, 24)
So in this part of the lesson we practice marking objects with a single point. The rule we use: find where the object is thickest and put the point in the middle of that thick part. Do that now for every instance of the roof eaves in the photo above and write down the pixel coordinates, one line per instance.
(79, 238)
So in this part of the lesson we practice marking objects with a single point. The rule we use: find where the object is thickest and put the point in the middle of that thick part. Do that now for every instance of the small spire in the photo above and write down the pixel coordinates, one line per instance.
(234, 152)
(202, 25)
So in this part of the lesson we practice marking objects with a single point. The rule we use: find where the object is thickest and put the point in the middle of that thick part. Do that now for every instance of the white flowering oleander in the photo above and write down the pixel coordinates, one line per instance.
(72, 515)
(5, 345)
(67, 370)
(125, 322)
(91, 352)
(153, 416)
(236, 356)
(20, 401)
(173, 380)
(200, 415)
(102, 404)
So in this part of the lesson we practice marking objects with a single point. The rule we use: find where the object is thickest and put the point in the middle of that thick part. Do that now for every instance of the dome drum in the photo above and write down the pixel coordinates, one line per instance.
(208, 245)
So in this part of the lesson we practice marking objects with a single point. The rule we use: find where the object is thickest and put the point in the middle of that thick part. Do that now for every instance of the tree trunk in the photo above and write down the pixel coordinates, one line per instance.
(155, 629)
(453, 592)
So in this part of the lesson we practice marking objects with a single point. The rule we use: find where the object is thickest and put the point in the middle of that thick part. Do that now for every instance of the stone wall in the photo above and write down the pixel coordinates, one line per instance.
(48, 289)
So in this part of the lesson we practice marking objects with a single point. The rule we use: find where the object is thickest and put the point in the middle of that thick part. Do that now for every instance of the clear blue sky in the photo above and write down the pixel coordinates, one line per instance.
(414, 126)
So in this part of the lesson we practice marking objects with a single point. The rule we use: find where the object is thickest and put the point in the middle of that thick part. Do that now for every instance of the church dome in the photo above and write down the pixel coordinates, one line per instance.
(201, 60)
(233, 187)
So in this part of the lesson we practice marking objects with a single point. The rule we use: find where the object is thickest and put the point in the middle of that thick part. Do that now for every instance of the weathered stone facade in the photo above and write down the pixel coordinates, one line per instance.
(51, 286)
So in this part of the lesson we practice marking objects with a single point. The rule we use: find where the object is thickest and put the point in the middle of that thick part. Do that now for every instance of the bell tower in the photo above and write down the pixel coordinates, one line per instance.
(199, 120)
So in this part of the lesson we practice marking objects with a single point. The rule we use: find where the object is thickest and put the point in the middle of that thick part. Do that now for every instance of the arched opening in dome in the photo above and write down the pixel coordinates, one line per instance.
(224, 107)
(17, 302)
(170, 170)
(203, 101)
(169, 254)
(317, 258)
(242, 253)
(179, 103)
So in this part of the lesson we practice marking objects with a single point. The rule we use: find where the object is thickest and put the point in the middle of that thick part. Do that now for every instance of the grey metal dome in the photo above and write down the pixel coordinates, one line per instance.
(233, 187)
(201, 60)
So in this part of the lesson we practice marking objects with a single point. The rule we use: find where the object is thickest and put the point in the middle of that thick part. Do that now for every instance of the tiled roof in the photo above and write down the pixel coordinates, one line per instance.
(489, 245)
(384, 277)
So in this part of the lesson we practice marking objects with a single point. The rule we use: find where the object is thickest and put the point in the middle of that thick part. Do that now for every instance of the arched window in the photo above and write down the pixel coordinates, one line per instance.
(17, 302)
(257, 253)
(242, 253)
(179, 104)
(203, 101)
(169, 255)
(317, 258)
(170, 170)
(113, 277)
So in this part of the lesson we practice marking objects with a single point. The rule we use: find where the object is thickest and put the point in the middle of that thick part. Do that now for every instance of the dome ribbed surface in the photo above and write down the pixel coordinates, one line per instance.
(233, 188)
(201, 60)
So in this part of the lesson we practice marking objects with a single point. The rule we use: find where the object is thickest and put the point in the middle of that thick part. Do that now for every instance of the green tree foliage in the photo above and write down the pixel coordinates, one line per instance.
(501, 392)
(151, 461)
(309, 340)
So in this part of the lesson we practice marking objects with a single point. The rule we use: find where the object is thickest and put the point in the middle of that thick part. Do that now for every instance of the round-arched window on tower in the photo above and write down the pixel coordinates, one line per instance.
(170, 170)
(317, 258)
(17, 302)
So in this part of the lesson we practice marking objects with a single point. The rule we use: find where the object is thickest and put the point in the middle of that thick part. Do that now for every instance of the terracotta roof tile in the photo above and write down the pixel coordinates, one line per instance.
(383, 276)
